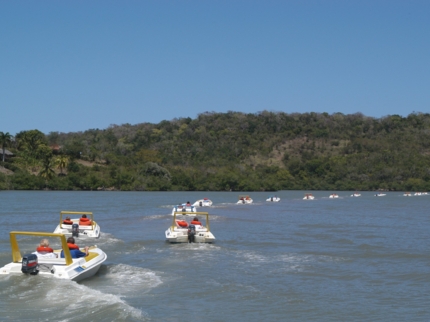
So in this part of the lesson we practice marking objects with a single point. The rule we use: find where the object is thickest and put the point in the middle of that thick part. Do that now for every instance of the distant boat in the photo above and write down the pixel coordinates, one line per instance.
(355, 194)
(185, 207)
(203, 203)
(333, 195)
(185, 222)
(244, 199)
(308, 196)
(380, 195)
(407, 194)
(273, 199)
(77, 226)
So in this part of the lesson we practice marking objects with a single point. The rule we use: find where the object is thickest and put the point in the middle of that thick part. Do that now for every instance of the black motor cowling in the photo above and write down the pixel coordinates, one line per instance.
(191, 233)
(30, 264)
(75, 230)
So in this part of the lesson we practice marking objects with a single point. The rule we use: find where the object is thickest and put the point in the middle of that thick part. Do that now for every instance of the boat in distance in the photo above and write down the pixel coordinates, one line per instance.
(205, 202)
(273, 199)
(244, 199)
(75, 269)
(333, 196)
(308, 196)
(185, 207)
(182, 222)
(77, 226)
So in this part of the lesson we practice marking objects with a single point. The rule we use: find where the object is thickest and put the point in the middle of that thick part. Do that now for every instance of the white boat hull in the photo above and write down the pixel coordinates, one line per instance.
(274, 199)
(183, 209)
(92, 231)
(243, 202)
(180, 235)
(80, 269)
(203, 203)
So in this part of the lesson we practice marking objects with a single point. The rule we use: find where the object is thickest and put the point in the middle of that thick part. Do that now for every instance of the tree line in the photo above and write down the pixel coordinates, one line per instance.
(235, 151)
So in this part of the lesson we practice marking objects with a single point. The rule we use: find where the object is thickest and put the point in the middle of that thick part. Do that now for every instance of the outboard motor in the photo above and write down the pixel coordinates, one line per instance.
(200, 203)
(30, 264)
(191, 233)
(75, 230)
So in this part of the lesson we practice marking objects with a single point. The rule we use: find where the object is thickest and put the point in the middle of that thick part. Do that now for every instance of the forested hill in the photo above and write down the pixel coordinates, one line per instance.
(229, 151)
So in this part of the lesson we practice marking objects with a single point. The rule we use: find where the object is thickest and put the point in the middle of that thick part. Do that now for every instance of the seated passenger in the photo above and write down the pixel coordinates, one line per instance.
(84, 221)
(44, 251)
(67, 221)
(196, 222)
(74, 249)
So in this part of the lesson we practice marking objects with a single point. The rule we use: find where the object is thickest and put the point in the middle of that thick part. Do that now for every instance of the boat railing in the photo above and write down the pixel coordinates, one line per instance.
(190, 214)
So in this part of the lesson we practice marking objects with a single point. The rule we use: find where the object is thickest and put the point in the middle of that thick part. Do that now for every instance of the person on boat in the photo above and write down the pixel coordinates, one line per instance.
(188, 204)
(67, 221)
(84, 221)
(74, 249)
(44, 251)
(196, 222)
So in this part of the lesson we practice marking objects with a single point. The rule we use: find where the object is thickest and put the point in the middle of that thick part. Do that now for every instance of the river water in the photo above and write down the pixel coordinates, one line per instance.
(345, 259)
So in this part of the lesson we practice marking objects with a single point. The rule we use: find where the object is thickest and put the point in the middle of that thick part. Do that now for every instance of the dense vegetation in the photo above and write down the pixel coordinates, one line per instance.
(228, 151)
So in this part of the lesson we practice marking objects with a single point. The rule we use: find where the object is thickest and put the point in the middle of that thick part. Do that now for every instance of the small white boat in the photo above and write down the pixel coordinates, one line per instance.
(244, 199)
(78, 226)
(417, 194)
(380, 195)
(75, 269)
(184, 208)
(273, 199)
(356, 194)
(308, 196)
(333, 195)
(183, 223)
(407, 194)
(205, 202)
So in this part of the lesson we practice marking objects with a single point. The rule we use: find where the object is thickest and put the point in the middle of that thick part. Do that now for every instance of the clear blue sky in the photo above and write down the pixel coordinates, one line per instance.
(75, 65)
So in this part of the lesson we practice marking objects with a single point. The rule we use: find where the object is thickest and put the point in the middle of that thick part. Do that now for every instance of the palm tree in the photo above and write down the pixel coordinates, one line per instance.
(47, 171)
(61, 162)
(5, 140)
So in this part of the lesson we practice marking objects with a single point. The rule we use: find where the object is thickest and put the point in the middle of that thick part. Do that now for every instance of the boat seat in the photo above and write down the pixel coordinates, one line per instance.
(86, 227)
(54, 261)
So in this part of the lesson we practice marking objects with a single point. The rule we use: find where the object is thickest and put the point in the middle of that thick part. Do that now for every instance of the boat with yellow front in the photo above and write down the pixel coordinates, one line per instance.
(79, 224)
(184, 223)
(29, 263)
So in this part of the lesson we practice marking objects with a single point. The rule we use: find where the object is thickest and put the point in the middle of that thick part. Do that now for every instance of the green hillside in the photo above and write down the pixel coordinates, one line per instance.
(229, 151)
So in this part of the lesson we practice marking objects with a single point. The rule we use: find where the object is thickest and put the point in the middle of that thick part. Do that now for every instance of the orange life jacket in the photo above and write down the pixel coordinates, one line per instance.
(84, 222)
(72, 246)
(43, 249)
